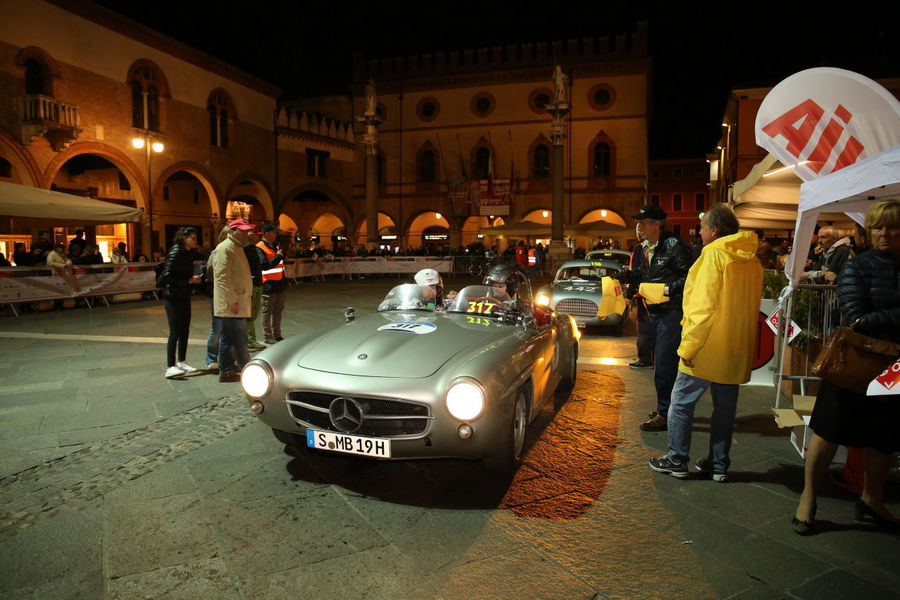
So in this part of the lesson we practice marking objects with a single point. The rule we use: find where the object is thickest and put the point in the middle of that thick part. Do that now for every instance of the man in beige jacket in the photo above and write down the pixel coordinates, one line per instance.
(232, 297)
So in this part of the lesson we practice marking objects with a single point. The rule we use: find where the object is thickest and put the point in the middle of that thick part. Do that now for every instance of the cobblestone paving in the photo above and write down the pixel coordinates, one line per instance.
(35, 494)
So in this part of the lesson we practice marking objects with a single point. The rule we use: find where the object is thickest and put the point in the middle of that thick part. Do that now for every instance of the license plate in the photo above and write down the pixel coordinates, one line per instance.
(348, 444)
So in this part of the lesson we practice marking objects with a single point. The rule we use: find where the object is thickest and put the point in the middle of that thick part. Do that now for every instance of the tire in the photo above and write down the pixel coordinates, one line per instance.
(568, 380)
(510, 454)
(290, 439)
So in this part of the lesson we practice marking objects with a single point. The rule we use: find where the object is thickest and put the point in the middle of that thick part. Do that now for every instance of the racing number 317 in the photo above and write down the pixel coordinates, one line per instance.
(480, 307)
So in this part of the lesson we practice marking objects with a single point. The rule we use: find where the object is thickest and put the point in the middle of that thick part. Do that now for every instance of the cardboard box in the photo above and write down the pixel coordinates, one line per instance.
(797, 419)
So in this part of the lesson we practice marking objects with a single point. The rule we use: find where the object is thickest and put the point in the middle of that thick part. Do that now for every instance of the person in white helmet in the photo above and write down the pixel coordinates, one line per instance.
(432, 287)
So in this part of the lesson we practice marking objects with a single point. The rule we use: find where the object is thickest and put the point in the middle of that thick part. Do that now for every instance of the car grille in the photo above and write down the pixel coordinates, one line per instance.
(381, 418)
(577, 307)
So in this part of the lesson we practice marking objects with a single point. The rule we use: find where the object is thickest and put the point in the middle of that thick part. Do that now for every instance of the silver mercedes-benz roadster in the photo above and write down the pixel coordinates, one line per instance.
(577, 290)
(409, 381)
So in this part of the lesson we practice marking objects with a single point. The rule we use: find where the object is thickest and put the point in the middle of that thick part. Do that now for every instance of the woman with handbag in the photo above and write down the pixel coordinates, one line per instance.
(868, 289)
(175, 280)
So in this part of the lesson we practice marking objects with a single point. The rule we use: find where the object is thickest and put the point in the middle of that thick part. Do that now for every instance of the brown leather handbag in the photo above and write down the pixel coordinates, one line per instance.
(851, 360)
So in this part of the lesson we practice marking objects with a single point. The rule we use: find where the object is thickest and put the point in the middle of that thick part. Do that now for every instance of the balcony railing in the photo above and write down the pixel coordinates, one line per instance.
(57, 121)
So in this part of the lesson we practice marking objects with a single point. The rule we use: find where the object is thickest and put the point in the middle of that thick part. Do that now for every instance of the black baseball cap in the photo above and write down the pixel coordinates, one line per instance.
(269, 227)
(650, 211)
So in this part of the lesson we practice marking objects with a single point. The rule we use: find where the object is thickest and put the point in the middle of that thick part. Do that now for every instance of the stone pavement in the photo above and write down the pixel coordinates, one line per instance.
(118, 483)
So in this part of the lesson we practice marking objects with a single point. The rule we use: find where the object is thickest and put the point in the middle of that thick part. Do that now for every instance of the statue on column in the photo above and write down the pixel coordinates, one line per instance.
(560, 86)
(371, 103)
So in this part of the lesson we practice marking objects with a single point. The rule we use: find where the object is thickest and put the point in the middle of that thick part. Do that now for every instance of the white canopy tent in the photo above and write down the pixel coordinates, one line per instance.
(850, 191)
(26, 201)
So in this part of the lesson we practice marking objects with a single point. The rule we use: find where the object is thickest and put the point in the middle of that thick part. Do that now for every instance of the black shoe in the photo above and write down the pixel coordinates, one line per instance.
(271, 341)
(864, 512)
(278, 338)
(805, 527)
(229, 377)
(657, 423)
(641, 364)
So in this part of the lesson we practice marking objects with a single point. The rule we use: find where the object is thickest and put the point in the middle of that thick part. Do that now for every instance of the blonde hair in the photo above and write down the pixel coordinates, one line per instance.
(882, 213)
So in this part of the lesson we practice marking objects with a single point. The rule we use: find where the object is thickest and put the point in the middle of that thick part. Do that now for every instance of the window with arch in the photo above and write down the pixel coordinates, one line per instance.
(602, 157)
(482, 162)
(427, 166)
(221, 113)
(37, 78)
(540, 166)
(147, 86)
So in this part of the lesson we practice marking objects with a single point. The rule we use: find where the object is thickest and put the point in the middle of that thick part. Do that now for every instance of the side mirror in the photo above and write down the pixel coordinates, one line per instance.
(349, 314)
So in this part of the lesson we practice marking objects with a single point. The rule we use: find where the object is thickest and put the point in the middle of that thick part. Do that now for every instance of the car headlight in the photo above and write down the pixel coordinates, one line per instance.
(542, 299)
(465, 399)
(256, 379)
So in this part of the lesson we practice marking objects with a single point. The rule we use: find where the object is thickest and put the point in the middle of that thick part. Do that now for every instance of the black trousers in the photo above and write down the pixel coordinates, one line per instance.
(178, 311)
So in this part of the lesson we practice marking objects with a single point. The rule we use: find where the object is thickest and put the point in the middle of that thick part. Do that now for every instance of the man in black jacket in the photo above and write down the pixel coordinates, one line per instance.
(253, 260)
(665, 260)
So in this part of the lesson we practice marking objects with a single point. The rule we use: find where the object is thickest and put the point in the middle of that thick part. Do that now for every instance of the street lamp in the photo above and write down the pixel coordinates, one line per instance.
(158, 147)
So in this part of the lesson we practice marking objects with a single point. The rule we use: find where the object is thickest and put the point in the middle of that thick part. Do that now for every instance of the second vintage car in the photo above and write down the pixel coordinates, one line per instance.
(408, 382)
(578, 290)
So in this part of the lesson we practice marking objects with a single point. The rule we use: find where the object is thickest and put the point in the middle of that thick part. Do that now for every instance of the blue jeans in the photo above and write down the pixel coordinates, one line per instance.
(212, 342)
(233, 342)
(666, 335)
(685, 395)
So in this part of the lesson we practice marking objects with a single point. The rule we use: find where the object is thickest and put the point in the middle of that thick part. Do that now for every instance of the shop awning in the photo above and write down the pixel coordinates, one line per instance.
(26, 201)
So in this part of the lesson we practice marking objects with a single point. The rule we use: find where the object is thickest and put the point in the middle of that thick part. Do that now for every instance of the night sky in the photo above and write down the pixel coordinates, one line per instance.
(305, 48)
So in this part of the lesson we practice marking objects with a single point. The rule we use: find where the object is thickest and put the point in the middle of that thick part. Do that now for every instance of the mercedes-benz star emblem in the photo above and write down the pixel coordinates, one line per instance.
(363, 356)
(346, 414)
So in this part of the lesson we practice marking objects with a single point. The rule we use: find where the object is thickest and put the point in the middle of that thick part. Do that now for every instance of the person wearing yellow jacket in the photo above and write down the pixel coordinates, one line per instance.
(721, 308)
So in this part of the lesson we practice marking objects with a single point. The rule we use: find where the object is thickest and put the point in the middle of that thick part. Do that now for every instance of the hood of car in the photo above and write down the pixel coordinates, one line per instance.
(404, 345)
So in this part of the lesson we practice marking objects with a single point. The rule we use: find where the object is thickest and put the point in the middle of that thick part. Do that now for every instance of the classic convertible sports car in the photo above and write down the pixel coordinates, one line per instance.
(408, 382)
(578, 290)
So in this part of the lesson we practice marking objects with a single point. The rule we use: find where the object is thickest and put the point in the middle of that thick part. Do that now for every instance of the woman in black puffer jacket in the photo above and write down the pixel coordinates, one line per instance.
(868, 289)
(176, 280)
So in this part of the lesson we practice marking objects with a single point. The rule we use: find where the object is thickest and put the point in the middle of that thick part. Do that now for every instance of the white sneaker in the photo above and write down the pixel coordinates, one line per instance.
(185, 367)
(174, 372)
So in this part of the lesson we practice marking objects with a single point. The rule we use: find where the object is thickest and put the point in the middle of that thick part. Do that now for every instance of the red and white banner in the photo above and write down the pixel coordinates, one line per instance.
(886, 383)
(821, 120)
(494, 197)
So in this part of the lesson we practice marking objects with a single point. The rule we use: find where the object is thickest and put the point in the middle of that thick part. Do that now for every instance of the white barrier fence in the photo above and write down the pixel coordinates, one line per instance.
(31, 284)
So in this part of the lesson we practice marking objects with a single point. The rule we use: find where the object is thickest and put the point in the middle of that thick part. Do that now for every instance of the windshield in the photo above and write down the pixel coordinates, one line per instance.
(409, 296)
(586, 273)
(479, 300)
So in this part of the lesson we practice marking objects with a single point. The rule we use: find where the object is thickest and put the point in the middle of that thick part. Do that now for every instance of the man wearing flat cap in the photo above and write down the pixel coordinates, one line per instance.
(274, 282)
(658, 274)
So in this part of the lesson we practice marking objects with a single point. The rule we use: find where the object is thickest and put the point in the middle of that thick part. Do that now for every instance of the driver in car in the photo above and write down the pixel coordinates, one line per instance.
(432, 288)
(503, 279)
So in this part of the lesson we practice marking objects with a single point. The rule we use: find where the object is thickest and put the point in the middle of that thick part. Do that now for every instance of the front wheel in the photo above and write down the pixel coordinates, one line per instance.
(510, 454)
(571, 374)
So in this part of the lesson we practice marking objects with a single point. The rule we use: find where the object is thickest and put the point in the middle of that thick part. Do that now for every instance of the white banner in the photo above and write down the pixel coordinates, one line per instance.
(30, 284)
(821, 120)
(27, 284)
(313, 267)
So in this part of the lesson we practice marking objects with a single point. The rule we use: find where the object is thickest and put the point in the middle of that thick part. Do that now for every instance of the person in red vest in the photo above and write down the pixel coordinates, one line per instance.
(274, 283)
(521, 258)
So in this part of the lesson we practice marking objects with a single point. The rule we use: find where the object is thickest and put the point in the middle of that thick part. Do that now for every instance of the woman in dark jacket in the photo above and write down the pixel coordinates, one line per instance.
(175, 281)
(868, 289)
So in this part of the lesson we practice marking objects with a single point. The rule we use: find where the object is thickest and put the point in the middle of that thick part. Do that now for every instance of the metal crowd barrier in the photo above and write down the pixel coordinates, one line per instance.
(817, 315)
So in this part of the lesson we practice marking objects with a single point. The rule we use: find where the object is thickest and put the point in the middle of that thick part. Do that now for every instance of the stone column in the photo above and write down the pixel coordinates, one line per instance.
(559, 110)
(371, 121)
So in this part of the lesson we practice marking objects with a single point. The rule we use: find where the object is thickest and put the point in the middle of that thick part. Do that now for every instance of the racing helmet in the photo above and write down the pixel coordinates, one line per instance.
(502, 274)
(427, 277)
